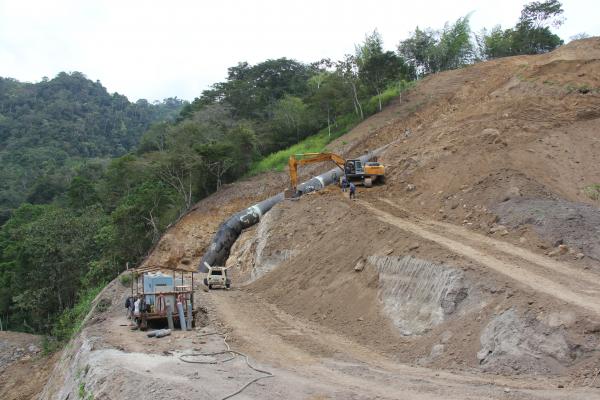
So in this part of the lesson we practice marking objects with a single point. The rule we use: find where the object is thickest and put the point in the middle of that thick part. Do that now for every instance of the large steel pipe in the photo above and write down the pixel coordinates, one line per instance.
(228, 232)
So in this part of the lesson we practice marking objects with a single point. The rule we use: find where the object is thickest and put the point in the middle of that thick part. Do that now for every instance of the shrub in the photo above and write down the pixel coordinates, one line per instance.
(125, 279)
(71, 319)
(593, 191)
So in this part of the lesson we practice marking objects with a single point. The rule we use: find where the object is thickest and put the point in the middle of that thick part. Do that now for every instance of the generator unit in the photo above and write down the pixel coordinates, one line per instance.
(157, 282)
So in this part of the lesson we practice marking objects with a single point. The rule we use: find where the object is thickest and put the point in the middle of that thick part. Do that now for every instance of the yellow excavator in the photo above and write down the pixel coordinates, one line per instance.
(355, 170)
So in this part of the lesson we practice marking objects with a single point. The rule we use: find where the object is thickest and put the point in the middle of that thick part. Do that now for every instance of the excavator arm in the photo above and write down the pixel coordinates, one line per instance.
(308, 158)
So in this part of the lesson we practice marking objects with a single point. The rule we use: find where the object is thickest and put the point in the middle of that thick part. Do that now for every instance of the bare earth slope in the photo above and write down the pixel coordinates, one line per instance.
(472, 273)
(23, 368)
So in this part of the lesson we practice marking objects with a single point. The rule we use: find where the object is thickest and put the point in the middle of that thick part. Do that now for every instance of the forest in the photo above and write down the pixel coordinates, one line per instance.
(90, 181)
(48, 127)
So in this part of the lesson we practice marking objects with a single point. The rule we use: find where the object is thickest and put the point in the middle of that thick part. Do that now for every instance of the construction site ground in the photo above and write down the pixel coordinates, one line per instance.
(471, 273)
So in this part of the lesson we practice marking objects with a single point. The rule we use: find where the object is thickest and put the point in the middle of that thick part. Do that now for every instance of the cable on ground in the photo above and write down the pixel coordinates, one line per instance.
(267, 374)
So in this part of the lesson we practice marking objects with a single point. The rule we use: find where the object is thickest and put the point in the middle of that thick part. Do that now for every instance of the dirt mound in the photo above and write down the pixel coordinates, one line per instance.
(432, 293)
(408, 298)
(24, 370)
(513, 343)
(526, 125)
(557, 222)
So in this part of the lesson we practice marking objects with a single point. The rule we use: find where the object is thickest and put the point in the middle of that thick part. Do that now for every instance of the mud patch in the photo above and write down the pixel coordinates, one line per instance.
(575, 224)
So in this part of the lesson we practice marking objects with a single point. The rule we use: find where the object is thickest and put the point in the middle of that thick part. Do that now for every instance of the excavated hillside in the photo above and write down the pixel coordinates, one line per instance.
(473, 272)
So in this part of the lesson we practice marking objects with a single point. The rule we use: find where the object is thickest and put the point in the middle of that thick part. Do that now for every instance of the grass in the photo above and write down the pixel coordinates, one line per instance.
(82, 393)
(592, 191)
(315, 143)
(50, 345)
(372, 106)
(583, 88)
(318, 142)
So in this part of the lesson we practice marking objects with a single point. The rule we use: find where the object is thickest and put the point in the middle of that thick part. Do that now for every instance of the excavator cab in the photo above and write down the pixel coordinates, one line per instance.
(365, 173)
(353, 168)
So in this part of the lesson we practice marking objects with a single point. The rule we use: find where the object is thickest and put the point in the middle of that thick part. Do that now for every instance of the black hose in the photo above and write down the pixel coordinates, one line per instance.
(228, 351)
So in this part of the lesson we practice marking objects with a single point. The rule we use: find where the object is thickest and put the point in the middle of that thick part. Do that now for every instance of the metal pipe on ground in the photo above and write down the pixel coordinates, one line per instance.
(182, 323)
(228, 232)
(190, 316)
(170, 316)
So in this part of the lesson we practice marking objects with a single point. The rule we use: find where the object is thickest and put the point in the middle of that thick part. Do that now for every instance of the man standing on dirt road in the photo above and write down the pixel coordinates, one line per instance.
(352, 191)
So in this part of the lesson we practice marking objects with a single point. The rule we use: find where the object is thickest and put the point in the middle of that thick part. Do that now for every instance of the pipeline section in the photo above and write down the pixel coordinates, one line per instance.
(228, 232)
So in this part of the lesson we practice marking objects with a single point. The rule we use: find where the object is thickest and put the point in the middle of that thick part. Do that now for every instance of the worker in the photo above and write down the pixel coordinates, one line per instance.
(344, 183)
(135, 304)
(352, 191)
(129, 305)
(136, 307)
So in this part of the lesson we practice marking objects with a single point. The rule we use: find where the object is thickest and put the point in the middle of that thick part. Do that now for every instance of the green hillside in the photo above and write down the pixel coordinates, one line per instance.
(50, 126)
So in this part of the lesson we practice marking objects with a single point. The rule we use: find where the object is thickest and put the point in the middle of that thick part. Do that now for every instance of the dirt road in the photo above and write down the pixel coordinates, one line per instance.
(321, 357)
(540, 273)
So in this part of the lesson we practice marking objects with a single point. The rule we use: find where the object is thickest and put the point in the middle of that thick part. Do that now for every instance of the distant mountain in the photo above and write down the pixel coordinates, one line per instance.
(48, 127)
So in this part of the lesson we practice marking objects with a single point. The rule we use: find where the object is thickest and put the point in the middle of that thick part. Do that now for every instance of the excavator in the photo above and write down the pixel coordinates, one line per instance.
(354, 170)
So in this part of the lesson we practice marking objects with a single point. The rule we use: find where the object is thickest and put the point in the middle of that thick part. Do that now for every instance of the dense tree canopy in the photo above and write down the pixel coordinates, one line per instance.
(531, 34)
(48, 126)
(438, 50)
(378, 68)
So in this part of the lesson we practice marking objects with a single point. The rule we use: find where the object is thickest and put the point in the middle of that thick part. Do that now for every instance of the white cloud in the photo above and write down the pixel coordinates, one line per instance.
(157, 49)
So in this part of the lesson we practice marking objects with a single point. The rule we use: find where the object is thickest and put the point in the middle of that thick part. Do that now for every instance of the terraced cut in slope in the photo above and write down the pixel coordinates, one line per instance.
(472, 273)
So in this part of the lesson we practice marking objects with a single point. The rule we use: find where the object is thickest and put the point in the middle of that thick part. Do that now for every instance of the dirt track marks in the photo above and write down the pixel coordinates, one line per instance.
(304, 349)
(547, 276)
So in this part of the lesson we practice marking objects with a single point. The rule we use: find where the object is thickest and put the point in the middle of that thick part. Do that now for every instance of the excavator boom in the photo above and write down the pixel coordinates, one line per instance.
(307, 158)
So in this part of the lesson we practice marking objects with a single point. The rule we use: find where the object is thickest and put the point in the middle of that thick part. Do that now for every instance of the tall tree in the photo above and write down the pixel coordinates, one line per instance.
(348, 69)
(289, 115)
(455, 49)
(378, 68)
(430, 51)
(328, 97)
(531, 34)
(48, 253)
(419, 50)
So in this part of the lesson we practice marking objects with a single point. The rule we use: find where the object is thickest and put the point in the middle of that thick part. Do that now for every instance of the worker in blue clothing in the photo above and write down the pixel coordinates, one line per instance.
(352, 191)
(344, 183)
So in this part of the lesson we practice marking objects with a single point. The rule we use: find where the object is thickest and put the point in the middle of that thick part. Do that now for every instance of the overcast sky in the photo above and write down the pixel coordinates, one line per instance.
(158, 49)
